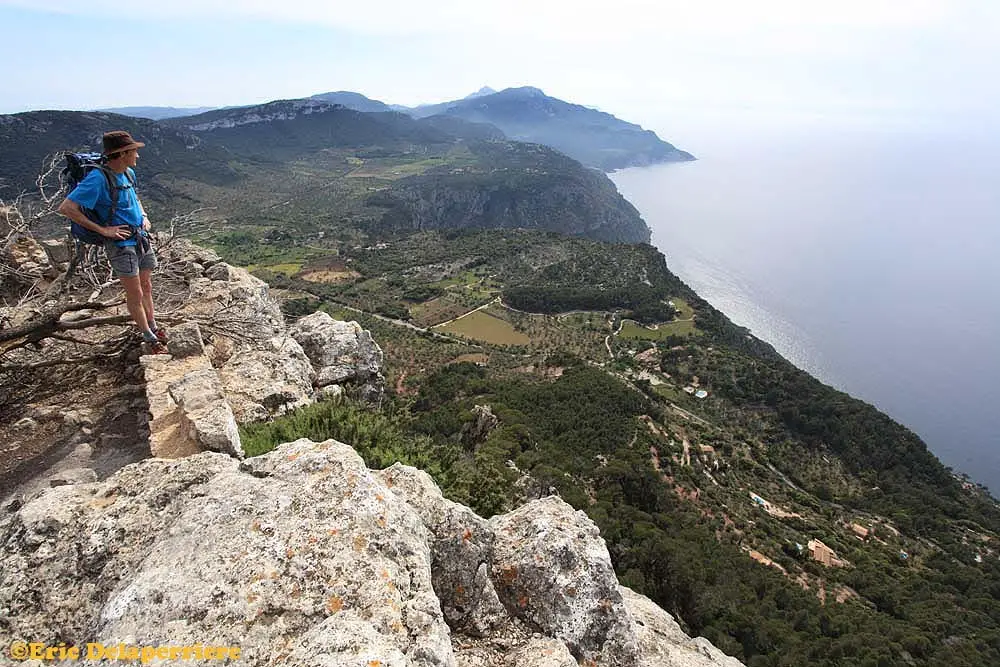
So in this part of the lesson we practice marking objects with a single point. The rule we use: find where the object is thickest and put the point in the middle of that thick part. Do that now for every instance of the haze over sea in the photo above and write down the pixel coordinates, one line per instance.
(867, 253)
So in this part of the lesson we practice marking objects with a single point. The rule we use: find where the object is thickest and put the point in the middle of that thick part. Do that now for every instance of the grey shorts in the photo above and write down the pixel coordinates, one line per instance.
(127, 262)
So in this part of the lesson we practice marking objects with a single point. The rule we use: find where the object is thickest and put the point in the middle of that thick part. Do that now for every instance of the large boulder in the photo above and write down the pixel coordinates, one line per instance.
(662, 642)
(188, 409)
(552, 569)
(340, 352)
(242, 305)
(267, 379)
(461, 549)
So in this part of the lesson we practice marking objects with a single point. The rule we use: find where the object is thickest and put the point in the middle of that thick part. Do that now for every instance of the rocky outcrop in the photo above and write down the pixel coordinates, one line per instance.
(188, 408)
(340, 352)
(553, 570)
(484, 422)
(305, 557)
(266, 366)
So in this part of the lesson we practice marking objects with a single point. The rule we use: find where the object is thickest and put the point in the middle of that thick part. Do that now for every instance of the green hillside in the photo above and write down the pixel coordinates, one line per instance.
(709, 504)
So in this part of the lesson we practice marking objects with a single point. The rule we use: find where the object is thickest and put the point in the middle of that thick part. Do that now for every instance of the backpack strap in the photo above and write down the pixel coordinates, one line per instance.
(113, 193)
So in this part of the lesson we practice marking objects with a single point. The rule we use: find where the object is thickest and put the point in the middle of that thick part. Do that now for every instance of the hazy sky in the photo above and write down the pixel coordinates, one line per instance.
(629, 57)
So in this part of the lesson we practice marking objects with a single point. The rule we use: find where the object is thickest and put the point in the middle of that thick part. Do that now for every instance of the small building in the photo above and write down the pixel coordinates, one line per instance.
(823, 554)
(860, 531)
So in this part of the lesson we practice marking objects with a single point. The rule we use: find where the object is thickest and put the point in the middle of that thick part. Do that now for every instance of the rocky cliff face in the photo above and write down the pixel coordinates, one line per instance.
(571, 201)
(302, 556)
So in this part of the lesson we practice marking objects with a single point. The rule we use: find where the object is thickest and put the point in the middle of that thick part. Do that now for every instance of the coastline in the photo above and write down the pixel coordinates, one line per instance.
(811, 281)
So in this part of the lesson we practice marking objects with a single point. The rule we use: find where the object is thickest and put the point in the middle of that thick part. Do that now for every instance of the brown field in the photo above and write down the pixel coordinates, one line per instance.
(435, 311)
(486, 328)
(328, 276)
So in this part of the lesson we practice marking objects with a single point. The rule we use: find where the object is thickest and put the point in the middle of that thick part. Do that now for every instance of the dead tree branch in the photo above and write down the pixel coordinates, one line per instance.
(48, 323)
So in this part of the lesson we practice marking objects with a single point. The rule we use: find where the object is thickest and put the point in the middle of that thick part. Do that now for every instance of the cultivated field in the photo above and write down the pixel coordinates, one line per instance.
(486, 328)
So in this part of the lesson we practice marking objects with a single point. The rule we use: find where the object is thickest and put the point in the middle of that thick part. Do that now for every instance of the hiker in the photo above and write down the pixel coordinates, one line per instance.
(126, 239)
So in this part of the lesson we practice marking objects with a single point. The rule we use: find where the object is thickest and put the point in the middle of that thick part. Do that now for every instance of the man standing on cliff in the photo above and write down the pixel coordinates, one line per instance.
(126, 241)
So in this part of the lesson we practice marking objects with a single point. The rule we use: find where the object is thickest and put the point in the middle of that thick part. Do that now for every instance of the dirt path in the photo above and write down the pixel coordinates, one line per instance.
(607, 339)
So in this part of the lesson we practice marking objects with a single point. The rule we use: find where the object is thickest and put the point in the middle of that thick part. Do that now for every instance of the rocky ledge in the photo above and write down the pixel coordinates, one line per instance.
(303, 556)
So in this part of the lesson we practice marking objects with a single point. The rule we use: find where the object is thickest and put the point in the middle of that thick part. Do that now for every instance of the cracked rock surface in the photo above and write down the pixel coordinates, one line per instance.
(303, 556)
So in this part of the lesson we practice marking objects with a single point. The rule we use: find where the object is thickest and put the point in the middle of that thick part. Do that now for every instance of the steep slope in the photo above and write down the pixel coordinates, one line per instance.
(595, 138)
(522, 186)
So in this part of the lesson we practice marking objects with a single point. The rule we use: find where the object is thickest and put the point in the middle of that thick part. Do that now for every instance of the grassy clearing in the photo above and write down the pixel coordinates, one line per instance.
(634, 330)
(486, 328)
(395, 168)
(684, 311)
(289, 269)
(473, 358)
(669, 392)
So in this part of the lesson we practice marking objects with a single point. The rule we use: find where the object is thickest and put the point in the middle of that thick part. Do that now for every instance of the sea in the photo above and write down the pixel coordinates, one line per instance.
(865, 250)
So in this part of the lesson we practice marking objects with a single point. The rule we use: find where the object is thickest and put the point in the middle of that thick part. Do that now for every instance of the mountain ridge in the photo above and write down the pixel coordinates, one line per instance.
(383, 165)
(595, 138)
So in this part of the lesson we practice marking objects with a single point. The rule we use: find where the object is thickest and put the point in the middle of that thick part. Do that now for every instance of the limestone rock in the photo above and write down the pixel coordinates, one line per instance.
(57, 251)
(28, 256)
(462, 550)
(330, 392)
(301, 552)
(662, 642)
(267, 380)
(220, 271)
(205, 414)
(242, 302)
(188, 408)
(478, 431)
(340, 351)
(552, 569)
(185, 340)
(542, 653)
(188, 253)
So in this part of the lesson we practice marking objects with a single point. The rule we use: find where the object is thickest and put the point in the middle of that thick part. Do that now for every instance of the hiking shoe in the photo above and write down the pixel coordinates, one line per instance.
(161, 335)
(158, 348)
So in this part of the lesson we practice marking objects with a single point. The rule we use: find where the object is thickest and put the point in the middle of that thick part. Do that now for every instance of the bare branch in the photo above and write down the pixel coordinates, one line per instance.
(49, 363)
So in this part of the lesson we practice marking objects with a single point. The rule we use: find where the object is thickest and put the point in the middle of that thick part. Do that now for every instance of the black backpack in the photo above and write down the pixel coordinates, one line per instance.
(78, 165)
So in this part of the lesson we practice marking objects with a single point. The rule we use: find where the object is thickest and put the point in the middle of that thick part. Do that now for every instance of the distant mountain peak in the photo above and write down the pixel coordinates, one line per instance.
(485, 90)
(352, 100)
(523, 91)
(595, 138)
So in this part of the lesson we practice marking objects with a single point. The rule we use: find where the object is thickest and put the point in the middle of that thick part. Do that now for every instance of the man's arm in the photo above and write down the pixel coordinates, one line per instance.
(72, 210)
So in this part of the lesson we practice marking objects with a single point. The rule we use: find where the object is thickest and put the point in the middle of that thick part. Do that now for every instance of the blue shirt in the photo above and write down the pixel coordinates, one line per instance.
(92, 193)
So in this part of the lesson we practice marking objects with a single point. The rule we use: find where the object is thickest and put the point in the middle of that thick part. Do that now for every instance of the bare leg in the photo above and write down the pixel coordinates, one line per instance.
(134, 301)
(146, 282)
